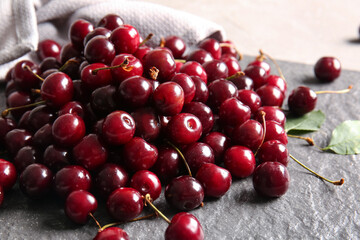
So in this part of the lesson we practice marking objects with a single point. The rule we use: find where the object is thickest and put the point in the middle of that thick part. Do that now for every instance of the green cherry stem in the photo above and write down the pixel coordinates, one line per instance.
(96, 221)
(123, 65)
(335, 91)
(181, 155)
(35, 74)
(8, 110)
(146, 39)
(67, 63)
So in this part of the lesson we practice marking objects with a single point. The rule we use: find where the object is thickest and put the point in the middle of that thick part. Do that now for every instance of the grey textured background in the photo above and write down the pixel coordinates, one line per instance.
(311, 209)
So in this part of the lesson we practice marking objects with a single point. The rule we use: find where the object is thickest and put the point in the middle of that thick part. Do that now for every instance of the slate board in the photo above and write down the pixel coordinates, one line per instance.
(311, 209)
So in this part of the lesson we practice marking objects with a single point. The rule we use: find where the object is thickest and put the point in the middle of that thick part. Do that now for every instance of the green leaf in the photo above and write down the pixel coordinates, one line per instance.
(345, 138)
(310, 122)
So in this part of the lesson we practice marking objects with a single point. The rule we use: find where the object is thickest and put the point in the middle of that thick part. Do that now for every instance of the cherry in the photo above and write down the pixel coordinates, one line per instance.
(259, 62)
(167, 166)
(25, 156)
(99, 50)
(215, 180)
(219, 143)
(71, 178)
(43, 137)
(141, 52)
(147, 124)
(78, 31)
(271, 179)
(6, 125)
(68, 130)
(302, 100)
(103, 100)
(184, 226)
(274, 131)
(7, 174)
(271, 113)
(90, 153)
(40, 116)
(162, 60)
(72, 67)
(8, 76)
(16, 139)
(110, 21)
(197, 154)
(227, 48)
(18, 99)
(92, 80)
(176, 45)
(212, 46)
(257, 74)
(215, 69)
(184, 193)
(23, 122)
(249, 98)
(248, 134)
(135, 91)
(201, 90)
(125, 38)
(36, 181)
(67, 52)
(240, 161)
(125, 204)
(56, 158)
(48, 48)
(57, 89)
(233, 112)
(114, 233)
(99, 31)
(270, 95)
(327, 69)
(146, 182)
(203, 112)
(219, 91)
(139, 154)
(168, 98)
(232, 64)
(273, 151)
(133, 67)
(49, 65)
(187, 84)
(73, 107)
(199, 55)
(79, 205)
(10, 88)
(184, 128)
(276, 81)
(23, 74)
(118, 128)
(193, 68)
(110, 177)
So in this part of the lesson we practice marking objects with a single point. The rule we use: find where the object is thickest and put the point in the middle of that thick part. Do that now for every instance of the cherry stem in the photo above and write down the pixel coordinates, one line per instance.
(133, 220)
(340, 182)
(182, 156)
(36, 91)
(261, 57)
(148, 201)
(35, 74)
(67, 63)
(309, 140)
(275, 63)
(154, 72)
(232, 46)
(123, 65)
(237, 74)
(162, 42)
(8, 110)
(262, 113)
(336, 91)
(180, 60)
(146, 39)
(96, 221)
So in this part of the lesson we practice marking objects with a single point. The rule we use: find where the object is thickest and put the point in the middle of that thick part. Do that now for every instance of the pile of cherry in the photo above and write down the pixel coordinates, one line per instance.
(108, 114)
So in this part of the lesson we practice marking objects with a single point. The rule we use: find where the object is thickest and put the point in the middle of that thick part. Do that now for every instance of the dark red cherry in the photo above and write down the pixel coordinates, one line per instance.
(271, 113)
(168, 98)
(8, 76)
(78, 31)
(219, 91)
(219, 143)
(139, 154)
(16, 139)
(67, 52)
(187, 84)
(193, 68)
(260, 63)
(135, 91)
(73, 107)
(176, 45)
(270, 95)
(197, 154)
(125, 38)
(161, 59)
(17, 99)
(233, 112)
(232, 64)
(110, 21)
(110, 177)
(184, 226)
(229, 49)
(36, 181)
(201, 90)
(99, 31)
(112, 233)
(274, 131)
(302, 100)
(147, 124)
(248, 134)
(49, 64)
(6, 125)
(240, 161)
(71, 178)
(257, 74)
(184, 128)
(57, 89)
(141, 52)
(250, 99)
(125, 204)
(23, 122)
(146, 182)
(118, 128)
(8, 174)
(92, 80)
(99, 50)
(26, 156)
(24, 78)
(133, 68)
(68, 130)
(212, 46)
(215, 70)
(104, 100)
(167, 166)
(10, 88)
(203, 112)
(215, 180)
(276, 81)
(43, 137)
(327, 69)
(40, 116)
(184, 193)
(199, 55)
(271, 179)
(56, 158)
(79, 204)
(273, 151)
(48, 48)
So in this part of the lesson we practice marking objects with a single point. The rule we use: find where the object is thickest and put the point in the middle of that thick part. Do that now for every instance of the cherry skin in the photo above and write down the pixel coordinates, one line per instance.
(36, 181)
(40, 116)
(257, 74)
(187, 84)
(47, 65)
(167, 166)
(23, 122)
(112, 233)
(56, 158)
(193, 68)
(184, 128)
(271, 179)
(24, 78)
(71, 178)
(16, 139)
(176, 45)
(141, 52)
(219, 143)
(125, 38)
(200, 55)
(99, 31)
(215, 69)
(118, 128)
(43, 137)
(260, 63)
(275, 131)
(229, 50)
(276, 81)
(271, 113)
(233, 112)
(125, 204)
(99, 50)
(302, 100)
(327, 69)
(26, 156)
(92, 80)
(163, 60)
(104, 100)
(6, 125)
(146, 182)
(147, 124)
(232, 64)
(184, 193)
(68, 130)
(48, 48)
(270, 95)
(211, 46)
(78, 31)
(57, 89)
(73, 107)
(219, 91)
(67, 52)
(110, 177)
(133, 68)
(273, 151)
(201, 90)
(79, 204)
(250, 98)
(240, 161)
(203, 112)
(135, 91)
(110, 21)
(17, 99)
(184, 226)
(248, 134)
(10, 88)
(139, 154)
(7, 174)
(197, 154)
(215, 180)
(168, 98)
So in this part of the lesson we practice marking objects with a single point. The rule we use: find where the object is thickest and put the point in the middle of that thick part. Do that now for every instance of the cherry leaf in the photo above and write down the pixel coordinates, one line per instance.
(310, 122)
(345, 138)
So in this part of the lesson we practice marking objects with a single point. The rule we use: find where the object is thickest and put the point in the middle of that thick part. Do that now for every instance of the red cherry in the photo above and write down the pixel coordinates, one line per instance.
(25, 156)
(199, 55)
(109, 178)
(274, 131)
(110, 21)
(176, 45)
(184, 128)
(99, 50)
(193, 68)
(8, 174)
(302, 100)
(79, 204)
(147, 124)
(118, 128)
(6, 125)
(135, 91)
(260, 63)
(167, 166)
(68, 130)
(56, 157)
(17, 99)
(187, 84)
(163, 60)
(233, 112)
(100, 79)
(201, 90)
(257, 74)
(219, 91)
(133, 68)
(219, 143)
(203, 112)
(16, 139)
(240, 161)
(184, 226)
(249, 98)
(197, 154)
(248, 134)
(24, 78)
(125, 38)
(112, 233)
(273, 151)
(271, 113)
(57, 89)
(48, 48)
(146, 182)
(327, 69)
(215, 70)
(78, 31)
(270, 95)
(168, 98)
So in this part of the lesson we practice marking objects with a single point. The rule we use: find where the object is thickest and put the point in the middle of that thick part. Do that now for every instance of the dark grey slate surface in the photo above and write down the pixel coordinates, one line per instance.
(311, 209)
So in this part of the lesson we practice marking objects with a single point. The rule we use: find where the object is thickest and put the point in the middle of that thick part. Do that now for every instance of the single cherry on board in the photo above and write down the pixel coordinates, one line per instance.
(79, 205)
(327, 69)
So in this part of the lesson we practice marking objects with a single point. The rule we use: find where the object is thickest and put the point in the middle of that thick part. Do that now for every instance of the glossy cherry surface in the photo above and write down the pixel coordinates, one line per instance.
(104, 100)
(135, 91)
(73, 107)
(211, 46)
(219, 91)
(260, 63)
(147, 124)
(6, 125)
(17, 99)
(167, 166)
(26, 156)
(193, 68)
(48, 48)
(57, 89)
(203, 112)
(271, 113)
(302, 100)
(118, 128)
(24, 78)
(233, 112)
(146, 182)
(201, 90)
(257, 74)
(163, 60)
(56, 158)
(250, 99)
(16, 139)
(215, 69)
(248, 134)
(112, 233)
(219, 143)
(92, 80)
(270, 95)
(274, 131)
(276, 81)
(78, 31)
(197, 154)
(110, 21)
(43, 137)
(168, 98)
(184, 128)
(231, 63)
(8, 174)
(240, 161)
(110, 177)
(79, 204)
(273, 151)
(327, 69)
(125, 38)
(184, 226)
(199, 55)
(1, 195)
(176, 45)
(68, 130)
(99, 31)
(40, 116)
(187, 84)
(68, 51)
(99, 50)
(133, 68)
